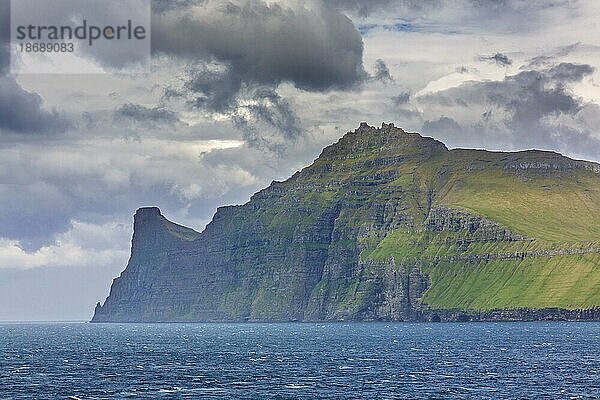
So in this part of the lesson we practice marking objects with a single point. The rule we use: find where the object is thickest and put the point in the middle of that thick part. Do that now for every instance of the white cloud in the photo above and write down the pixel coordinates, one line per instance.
(83, 245)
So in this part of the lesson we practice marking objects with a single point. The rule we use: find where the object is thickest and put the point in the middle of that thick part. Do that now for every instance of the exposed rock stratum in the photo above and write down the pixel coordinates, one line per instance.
(384, 225)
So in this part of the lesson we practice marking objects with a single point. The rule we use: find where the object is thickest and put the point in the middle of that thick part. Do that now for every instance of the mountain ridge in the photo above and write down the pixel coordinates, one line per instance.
(383, 225)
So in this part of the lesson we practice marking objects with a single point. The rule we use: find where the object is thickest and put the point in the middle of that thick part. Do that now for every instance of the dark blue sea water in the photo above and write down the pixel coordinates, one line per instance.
(301, 361)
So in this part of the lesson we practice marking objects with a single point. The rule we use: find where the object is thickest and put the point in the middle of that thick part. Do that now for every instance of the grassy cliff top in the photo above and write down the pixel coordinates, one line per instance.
(490, 229)
(540, 194)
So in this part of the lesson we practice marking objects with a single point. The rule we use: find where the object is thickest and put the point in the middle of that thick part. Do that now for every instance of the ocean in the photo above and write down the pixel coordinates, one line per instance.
(300, 361)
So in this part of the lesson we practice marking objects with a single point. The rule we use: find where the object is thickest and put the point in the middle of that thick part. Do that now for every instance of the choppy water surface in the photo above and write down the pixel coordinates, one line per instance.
(300, 361)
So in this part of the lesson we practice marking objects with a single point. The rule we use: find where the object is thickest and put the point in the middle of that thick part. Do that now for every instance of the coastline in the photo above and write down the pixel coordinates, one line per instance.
(591, 314)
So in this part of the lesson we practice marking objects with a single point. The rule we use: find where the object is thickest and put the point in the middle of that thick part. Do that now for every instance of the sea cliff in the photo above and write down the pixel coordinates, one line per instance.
(383, 225)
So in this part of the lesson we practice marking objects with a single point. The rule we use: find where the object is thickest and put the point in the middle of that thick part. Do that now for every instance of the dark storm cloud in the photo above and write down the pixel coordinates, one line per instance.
(268, 110)
(141, 113)
(315, 48)
(265, 119)
(213, 87)
(528, 95)
(530, 109)
(382, 72)
(21, 111)
(240, 51)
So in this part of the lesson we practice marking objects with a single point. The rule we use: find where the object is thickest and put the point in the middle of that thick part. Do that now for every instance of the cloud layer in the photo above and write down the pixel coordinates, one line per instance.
(22, 111)
(239, 52)
(531, 109)
(311, 46)
(246, 91)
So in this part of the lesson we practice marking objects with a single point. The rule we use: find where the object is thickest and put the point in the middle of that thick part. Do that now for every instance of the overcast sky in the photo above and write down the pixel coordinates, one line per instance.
(243, 92)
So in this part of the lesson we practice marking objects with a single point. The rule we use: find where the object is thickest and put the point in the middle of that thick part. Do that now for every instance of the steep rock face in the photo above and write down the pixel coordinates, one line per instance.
(361, 234)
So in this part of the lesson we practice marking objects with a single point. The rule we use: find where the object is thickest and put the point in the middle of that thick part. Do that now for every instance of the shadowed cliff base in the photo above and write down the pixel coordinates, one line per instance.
(384, 225)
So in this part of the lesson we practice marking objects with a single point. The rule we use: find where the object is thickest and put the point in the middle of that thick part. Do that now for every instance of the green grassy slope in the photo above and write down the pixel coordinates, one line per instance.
(538, 195)
(571, 282)
(557, 209)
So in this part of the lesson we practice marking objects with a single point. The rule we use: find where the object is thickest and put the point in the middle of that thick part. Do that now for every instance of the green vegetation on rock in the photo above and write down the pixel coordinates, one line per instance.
(571, 282)
(384, 225)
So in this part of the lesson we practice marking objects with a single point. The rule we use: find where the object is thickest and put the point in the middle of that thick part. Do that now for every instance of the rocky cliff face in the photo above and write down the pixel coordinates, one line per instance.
(340, 240)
